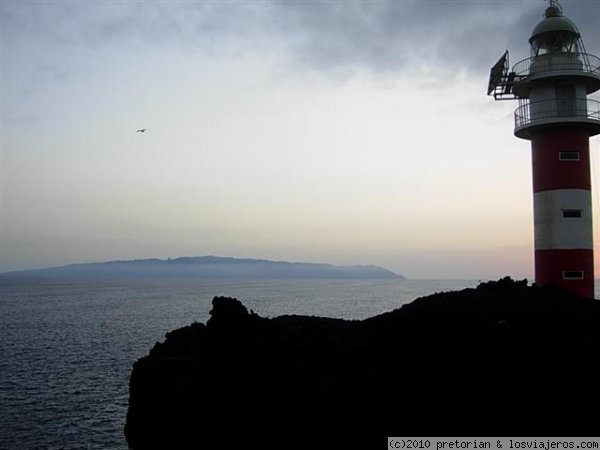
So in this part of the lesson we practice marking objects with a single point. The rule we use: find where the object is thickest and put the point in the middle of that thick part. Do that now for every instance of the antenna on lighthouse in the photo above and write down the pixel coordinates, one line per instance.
(501, 80)
(554, 10)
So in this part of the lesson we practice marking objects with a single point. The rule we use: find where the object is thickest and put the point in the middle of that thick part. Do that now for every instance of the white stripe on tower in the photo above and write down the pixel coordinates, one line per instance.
(563, 219)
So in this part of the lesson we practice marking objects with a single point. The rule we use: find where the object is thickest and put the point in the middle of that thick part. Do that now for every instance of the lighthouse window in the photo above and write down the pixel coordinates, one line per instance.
(571, 213)
(568, 156)
(573, 275)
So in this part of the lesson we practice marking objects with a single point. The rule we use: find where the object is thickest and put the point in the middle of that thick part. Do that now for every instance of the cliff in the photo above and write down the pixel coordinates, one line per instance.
(502, 359)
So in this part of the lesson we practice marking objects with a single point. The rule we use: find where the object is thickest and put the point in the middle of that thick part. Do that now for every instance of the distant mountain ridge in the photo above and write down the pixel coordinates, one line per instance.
(209, 267)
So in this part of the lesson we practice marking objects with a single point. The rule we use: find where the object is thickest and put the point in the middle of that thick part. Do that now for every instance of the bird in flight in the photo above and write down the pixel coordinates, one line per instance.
(141, 130)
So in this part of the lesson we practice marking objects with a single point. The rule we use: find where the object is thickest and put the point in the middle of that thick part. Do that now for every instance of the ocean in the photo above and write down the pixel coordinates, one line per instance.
(67, 347)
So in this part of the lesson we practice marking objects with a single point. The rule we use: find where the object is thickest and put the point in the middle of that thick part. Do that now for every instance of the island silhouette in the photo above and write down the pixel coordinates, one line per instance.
(209, 267)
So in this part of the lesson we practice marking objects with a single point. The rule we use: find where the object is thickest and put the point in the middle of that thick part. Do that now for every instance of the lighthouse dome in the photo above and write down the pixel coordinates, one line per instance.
(552, 25)
(555, 34)
(554, 22)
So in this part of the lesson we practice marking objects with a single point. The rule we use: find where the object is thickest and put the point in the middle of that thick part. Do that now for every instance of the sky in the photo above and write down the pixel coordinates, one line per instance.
(342, 132)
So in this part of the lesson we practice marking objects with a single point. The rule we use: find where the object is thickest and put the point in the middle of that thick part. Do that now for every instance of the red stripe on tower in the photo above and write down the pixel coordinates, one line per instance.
(561, 159)
(555, 114)
(566, 269)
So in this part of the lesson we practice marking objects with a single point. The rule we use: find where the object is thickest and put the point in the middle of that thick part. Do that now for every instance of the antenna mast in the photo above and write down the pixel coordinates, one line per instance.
(554, 9)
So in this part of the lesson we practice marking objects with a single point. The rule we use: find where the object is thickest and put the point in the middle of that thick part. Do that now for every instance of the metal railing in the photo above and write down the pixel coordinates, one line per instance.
(557, 109)
(576, 63)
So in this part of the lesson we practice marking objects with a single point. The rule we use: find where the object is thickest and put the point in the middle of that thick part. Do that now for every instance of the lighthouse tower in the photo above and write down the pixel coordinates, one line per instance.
(555, 114)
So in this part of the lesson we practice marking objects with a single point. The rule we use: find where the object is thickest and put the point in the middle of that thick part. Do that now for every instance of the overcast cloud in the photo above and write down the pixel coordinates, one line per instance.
(346, 132)
(384, 35)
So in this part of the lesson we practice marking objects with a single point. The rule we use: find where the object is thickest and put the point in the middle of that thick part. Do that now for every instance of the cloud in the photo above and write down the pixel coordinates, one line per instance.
(390, 35)
(133, 23)
(395, 35)
(324, 36)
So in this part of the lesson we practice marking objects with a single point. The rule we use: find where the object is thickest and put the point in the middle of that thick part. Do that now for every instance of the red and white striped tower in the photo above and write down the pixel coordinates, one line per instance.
(555, 114)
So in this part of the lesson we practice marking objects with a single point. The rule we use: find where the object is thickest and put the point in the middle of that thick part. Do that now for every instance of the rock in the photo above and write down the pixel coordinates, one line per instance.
(501, 359)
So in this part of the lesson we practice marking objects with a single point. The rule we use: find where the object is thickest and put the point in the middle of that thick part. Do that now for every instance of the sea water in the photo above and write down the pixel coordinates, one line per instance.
(67, 347)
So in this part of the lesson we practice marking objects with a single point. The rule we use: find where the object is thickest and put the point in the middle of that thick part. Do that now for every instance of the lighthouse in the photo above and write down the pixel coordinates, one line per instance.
(555, 114)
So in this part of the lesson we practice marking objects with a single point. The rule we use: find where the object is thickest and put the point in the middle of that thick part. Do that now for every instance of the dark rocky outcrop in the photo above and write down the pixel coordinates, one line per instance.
(502, 359)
